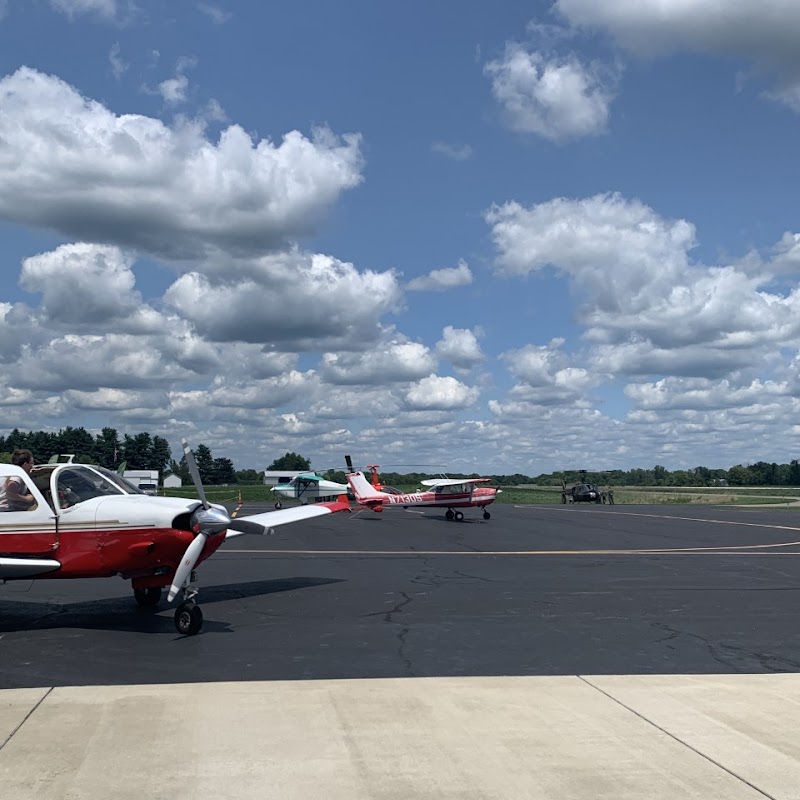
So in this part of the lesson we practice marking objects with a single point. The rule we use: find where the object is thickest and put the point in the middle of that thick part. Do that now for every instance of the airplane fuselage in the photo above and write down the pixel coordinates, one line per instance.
(481, 496)
(93, 544)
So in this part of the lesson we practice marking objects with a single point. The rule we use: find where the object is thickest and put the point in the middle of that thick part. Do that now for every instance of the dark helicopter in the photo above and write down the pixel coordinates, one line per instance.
(585, 492)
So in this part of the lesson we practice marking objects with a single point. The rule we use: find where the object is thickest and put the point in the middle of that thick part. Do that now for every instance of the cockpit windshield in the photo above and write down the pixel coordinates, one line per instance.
(118, 480)
(76, 483)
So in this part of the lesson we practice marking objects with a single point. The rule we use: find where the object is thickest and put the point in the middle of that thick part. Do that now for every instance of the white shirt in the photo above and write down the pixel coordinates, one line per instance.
(4, 506)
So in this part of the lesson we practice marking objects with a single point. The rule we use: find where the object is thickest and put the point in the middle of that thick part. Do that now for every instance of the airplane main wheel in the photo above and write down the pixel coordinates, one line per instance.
(487, 515)
(188, 618)
(459, 516)
(148, 596)
(449, 514)
(278, 505)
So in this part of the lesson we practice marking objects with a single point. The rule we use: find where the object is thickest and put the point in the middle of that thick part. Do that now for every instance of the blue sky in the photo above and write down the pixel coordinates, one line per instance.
(511, 238)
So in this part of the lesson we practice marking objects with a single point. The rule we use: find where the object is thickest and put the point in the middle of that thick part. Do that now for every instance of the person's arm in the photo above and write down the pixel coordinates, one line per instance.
(16, 500)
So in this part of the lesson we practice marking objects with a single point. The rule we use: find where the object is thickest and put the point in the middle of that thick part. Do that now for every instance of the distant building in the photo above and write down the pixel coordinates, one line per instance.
(277, 477)
(146, 480)
(172, 482)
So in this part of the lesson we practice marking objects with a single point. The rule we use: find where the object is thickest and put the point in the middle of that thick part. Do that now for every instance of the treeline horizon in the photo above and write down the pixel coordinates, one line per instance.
(145, 451)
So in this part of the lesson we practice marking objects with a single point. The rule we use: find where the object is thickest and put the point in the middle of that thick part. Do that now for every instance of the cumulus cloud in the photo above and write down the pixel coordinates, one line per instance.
(304, 301)
(651, 309)
(619, 246)
(266, 393)
(72, 165)
(545, 377)
(557, 98)
(700, 393)
(85, 362)
(440, 280)
(786, 256)
(389, 362)
(83, 284)
(763, 33)
(460, 347)
(442, 393)
(18, 327)
(720, 307)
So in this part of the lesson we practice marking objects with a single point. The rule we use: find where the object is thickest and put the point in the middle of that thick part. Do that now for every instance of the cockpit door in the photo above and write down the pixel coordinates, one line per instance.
(31, 532)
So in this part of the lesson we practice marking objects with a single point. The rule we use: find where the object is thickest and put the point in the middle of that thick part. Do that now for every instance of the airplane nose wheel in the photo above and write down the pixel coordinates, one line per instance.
(487, 515)
(188, 618)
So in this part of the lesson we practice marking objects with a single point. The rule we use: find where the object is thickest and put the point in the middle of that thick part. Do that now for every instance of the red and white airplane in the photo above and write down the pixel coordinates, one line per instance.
(449, 493)
(89, 522)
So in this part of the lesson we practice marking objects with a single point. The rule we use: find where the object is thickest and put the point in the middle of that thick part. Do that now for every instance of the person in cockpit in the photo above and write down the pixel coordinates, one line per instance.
(14, 493)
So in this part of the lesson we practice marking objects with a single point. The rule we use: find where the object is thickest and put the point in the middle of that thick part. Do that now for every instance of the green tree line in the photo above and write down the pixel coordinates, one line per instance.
(143, 451)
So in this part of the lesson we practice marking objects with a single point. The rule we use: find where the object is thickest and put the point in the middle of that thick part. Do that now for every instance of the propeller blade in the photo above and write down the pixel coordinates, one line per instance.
(194, 472)
(187, 564)
(247, 526)
(349, 462)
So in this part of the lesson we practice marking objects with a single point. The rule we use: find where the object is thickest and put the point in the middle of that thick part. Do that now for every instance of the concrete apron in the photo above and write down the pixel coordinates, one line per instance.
(716, 736)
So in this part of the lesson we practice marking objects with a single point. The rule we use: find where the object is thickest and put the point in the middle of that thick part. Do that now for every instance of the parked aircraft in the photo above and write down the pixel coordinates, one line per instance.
(585, 492)
(308, 487)
(449, 493)
(88, 522)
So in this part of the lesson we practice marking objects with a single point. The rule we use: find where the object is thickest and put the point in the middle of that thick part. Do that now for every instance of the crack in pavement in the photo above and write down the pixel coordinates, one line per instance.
(731, 656)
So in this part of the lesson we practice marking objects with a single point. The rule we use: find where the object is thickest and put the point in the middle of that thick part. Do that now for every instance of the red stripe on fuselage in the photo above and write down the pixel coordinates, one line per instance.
(477, 497)
(103, 553)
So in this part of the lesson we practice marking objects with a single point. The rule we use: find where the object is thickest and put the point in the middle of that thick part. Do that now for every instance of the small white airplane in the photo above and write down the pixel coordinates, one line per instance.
(308, 487)
(450, 493)
(88, 522)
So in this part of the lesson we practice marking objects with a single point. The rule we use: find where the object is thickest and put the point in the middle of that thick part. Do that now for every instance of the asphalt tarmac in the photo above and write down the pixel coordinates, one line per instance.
(536, 590)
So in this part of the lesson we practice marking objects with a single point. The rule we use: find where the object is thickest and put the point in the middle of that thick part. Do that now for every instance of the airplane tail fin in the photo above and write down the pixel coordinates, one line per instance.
(363, 490)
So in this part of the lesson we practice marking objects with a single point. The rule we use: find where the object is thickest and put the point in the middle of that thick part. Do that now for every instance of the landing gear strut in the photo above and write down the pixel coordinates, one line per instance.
(188, 616)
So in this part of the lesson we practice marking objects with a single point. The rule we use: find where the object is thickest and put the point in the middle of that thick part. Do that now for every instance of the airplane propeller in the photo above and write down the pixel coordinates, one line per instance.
(206, 521)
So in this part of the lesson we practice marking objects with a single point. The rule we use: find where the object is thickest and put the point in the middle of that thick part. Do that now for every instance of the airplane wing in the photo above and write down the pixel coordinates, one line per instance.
(452, 481)
(309, 477)
(272, 519)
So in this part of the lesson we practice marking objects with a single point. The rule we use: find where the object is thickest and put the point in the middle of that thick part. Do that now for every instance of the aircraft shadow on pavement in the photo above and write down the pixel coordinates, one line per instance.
(122, 613)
